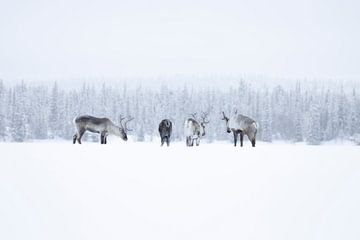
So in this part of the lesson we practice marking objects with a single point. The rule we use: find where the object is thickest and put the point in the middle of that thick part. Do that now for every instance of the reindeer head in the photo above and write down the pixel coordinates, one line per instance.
(227, 122)
(123, 127)
(203, 121)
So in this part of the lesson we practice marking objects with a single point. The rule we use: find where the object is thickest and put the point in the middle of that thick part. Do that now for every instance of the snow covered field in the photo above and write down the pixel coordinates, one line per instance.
(56, 190)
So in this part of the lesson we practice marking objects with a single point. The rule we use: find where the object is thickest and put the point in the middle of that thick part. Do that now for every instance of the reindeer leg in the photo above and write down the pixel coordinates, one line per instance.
(102, 138)
(74, 138)
(235, 137)
(188, 140)
(241, 138)
(105, 138)
(162, 141)
(254, 140)
(80, 136)
(168, 141)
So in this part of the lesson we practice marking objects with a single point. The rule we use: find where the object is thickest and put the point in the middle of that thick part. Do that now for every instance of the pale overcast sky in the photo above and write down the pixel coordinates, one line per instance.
(67, 39)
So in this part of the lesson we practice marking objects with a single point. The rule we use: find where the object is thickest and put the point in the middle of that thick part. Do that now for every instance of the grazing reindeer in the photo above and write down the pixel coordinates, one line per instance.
(165, 129)
(103, 126)
(195, 130)
(240, 124)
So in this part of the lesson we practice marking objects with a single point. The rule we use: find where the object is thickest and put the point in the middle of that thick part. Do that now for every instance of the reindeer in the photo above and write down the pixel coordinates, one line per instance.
(165, 129)
(103, 126)
(240, 124)
(195, 130)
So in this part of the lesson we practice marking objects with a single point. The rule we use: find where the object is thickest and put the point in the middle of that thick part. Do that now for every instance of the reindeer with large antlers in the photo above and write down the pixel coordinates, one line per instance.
(195, 129)
(103, 126)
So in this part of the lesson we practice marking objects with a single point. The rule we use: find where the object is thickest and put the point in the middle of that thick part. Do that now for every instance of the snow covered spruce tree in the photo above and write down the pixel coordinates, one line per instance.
(266, 120)
(54, 117)
(314, 131)
(353, 122)
(18, 120)
(2, 112)
(298, 115)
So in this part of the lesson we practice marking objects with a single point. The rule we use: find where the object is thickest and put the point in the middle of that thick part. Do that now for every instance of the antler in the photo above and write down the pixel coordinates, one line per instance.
(193, 115)
(121, 119)
(224, 117)
(203, 117)
(125, 126)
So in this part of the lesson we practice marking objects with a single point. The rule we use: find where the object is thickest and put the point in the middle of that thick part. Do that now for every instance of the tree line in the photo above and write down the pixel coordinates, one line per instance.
(302, 112)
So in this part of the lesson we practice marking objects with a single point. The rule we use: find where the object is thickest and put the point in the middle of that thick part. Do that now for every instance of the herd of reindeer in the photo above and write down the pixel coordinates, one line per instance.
(194, 128)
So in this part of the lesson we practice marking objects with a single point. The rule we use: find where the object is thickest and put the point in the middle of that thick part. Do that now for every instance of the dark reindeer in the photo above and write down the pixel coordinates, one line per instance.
(165, 129)
(195, 129)
(240, 125)
(103, 126)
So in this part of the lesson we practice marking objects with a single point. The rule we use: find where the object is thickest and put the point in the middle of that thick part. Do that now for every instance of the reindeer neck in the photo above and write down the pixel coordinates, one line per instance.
(113, 129)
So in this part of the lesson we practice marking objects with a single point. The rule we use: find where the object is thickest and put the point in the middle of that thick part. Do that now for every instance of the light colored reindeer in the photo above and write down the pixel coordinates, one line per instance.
(103, 126)
(194, 129)
(240, 125)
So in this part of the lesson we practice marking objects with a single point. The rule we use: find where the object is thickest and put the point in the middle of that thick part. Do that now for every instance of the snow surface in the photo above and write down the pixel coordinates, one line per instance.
(128, 190)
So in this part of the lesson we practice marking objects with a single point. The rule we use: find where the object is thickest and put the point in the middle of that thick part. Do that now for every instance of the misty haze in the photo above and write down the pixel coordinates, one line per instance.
(181, 120)
(81, 39)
